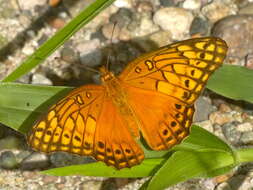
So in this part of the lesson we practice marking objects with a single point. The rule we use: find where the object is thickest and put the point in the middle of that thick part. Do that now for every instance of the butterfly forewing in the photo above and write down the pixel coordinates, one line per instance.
(179, 70)
(87, 123)
(69, 124)
(171, 79)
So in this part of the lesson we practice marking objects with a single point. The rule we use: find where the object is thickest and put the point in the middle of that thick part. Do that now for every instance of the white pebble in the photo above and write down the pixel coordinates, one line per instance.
(123, 3)
(192, 4)
(175, 20)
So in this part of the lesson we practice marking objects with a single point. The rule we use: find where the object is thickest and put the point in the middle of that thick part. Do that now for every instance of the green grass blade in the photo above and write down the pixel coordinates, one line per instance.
(153, 165)
(58, 39)
(146, 168)
(233, 82)
(183, 165)
(201, 140)
(21, 104)
(244, 155)
(202, 154)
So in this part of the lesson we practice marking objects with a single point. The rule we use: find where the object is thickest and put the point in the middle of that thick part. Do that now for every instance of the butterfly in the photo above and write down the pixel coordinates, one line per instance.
(153, 96)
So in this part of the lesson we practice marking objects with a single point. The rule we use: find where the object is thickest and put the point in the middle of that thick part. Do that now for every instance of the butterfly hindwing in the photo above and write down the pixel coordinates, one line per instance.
(165, 120)
(115, 143)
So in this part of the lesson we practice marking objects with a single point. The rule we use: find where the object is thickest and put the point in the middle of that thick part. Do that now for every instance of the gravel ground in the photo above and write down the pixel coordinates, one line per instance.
(142, 25)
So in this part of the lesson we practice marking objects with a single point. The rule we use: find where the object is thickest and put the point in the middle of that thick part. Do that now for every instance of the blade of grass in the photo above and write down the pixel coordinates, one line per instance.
(58, 39)
(183, 165)
(102, 170)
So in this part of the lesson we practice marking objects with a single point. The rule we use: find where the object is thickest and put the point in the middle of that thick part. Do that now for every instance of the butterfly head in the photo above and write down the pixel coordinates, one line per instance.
(105, 74)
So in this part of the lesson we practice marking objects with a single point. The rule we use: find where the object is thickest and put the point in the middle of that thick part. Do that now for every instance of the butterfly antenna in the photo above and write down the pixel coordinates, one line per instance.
(108, 57)
(89, 69)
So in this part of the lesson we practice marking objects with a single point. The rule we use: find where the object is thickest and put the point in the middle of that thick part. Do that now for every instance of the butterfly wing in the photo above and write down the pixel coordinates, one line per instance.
(86, 123)
(163, 85)
(115, 144)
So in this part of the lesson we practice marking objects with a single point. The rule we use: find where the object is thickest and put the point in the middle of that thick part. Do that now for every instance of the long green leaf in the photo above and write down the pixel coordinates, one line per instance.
(233, 82)
(58, 39)
(184, 165)
(149, 166)
(21, 104)
(201, 140)
(146, 168)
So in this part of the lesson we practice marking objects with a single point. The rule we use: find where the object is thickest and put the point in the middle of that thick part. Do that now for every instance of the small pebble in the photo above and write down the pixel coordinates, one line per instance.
(203, 103)
(219, 9)
(111, 31)
(224, 108)
(161, 38)
(206, 125)
(146, 27)
(8, 160)
(231, 133)
(249, 61)
(236, 31)
(28, 5)
(199, 26)
(192, 4)
(10, 142)
(245, 127)
(247, 138)
(221, 118)
(173, 19)
(56, 23)
(123, 3)
(60, 159)
(144, 6)
(36, 160)
(223, 186)
(247, 9)
(41, 79)
(69, 55)
(90, 53)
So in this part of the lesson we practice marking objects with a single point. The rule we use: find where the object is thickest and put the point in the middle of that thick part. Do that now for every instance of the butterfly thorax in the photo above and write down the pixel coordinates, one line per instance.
(114, 90)
(117, 94)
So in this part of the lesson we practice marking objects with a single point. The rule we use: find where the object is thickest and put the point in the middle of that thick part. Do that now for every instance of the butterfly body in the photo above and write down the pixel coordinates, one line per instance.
(153, 96)
(117, 94)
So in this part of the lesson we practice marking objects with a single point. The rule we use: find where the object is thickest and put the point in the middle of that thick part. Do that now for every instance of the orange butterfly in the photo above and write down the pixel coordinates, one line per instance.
(155, 94)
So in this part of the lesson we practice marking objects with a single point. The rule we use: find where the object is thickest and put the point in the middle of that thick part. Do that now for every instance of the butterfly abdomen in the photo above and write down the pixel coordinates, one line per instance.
(116, 93)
